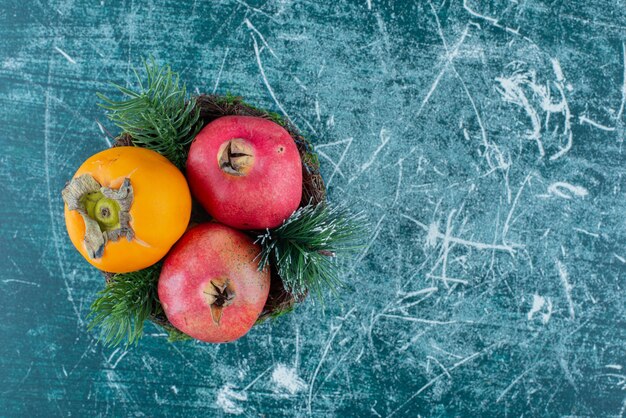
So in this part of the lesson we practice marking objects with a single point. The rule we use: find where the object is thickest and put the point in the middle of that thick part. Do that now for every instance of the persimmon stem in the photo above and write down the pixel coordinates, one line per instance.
(105, 211)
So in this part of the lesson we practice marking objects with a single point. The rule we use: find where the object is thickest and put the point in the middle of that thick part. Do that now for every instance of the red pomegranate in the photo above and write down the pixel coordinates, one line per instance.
(210, 287)
(246, 172)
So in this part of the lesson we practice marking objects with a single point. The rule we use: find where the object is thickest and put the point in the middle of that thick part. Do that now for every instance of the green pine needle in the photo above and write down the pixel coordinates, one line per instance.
(304, 247)
(158, 115)
(124, 305)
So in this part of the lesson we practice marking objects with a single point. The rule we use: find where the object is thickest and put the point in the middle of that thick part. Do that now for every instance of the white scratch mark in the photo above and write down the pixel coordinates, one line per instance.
(369, 244)
(318, 113)
(436, 378)
(489, 147)
(420, 320)
(511, 90)
(119, 358)
(112, 355)
(447, 279)
(321, 361)
(429, 291)
(436, 347)
(446, 247)
(219, 74)
(309, 125)
(251, 27)
(384, 140)
(623, 103)
(114, 365)
(20, 281)
(595, 22)
(505, 228)
(584, 231)
(330, 122)
(567, 287)
(620, 258)
(189, 364)
(538, 303)
(441, 366)
(495, 23)
(503, 164)
(265, 80)
(65, 55)
(556, 189)
(145, 363)
(514, 382)
(342, 361)
(336, 165)
(418, 292)
(450, 56)
(257, 10)
(82, 356)
(300, 83)
(121, 388)
(297, 344)
(563, 107)
(489, 19)
(432, 234)
(468, 243)
(568, 374)
(558, 71)
(227, 399)
(104, 133)
(256, 379)
(27, 372)
(584, 119)
(286, 378)
(399, 184)
(321, 70)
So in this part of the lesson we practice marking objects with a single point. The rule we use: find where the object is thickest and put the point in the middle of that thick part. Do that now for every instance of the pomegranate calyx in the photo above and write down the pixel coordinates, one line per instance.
(236, 157)
(219, 295)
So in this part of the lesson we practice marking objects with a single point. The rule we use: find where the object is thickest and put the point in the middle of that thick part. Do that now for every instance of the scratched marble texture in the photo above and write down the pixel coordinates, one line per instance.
(483, 140)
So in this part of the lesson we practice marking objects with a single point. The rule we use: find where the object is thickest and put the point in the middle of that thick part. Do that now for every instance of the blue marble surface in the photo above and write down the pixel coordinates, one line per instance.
(483, 140)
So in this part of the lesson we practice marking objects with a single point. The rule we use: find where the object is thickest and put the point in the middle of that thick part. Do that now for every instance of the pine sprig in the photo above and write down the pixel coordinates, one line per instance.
(158, 115)
(304, 247)
(124, 305)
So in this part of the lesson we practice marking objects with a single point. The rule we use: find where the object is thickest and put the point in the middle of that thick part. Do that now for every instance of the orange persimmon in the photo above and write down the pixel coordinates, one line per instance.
(125, 207)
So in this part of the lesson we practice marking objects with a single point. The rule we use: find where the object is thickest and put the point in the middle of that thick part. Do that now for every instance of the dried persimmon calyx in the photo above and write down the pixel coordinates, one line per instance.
(104, 210)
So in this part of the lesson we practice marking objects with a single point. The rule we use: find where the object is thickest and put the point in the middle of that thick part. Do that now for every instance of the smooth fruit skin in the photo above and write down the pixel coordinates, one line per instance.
(208, 252)
(159, 213)
(262, 198)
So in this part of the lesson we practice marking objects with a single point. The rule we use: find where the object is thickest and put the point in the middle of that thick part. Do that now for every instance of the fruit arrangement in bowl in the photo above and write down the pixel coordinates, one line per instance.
(207, 216)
